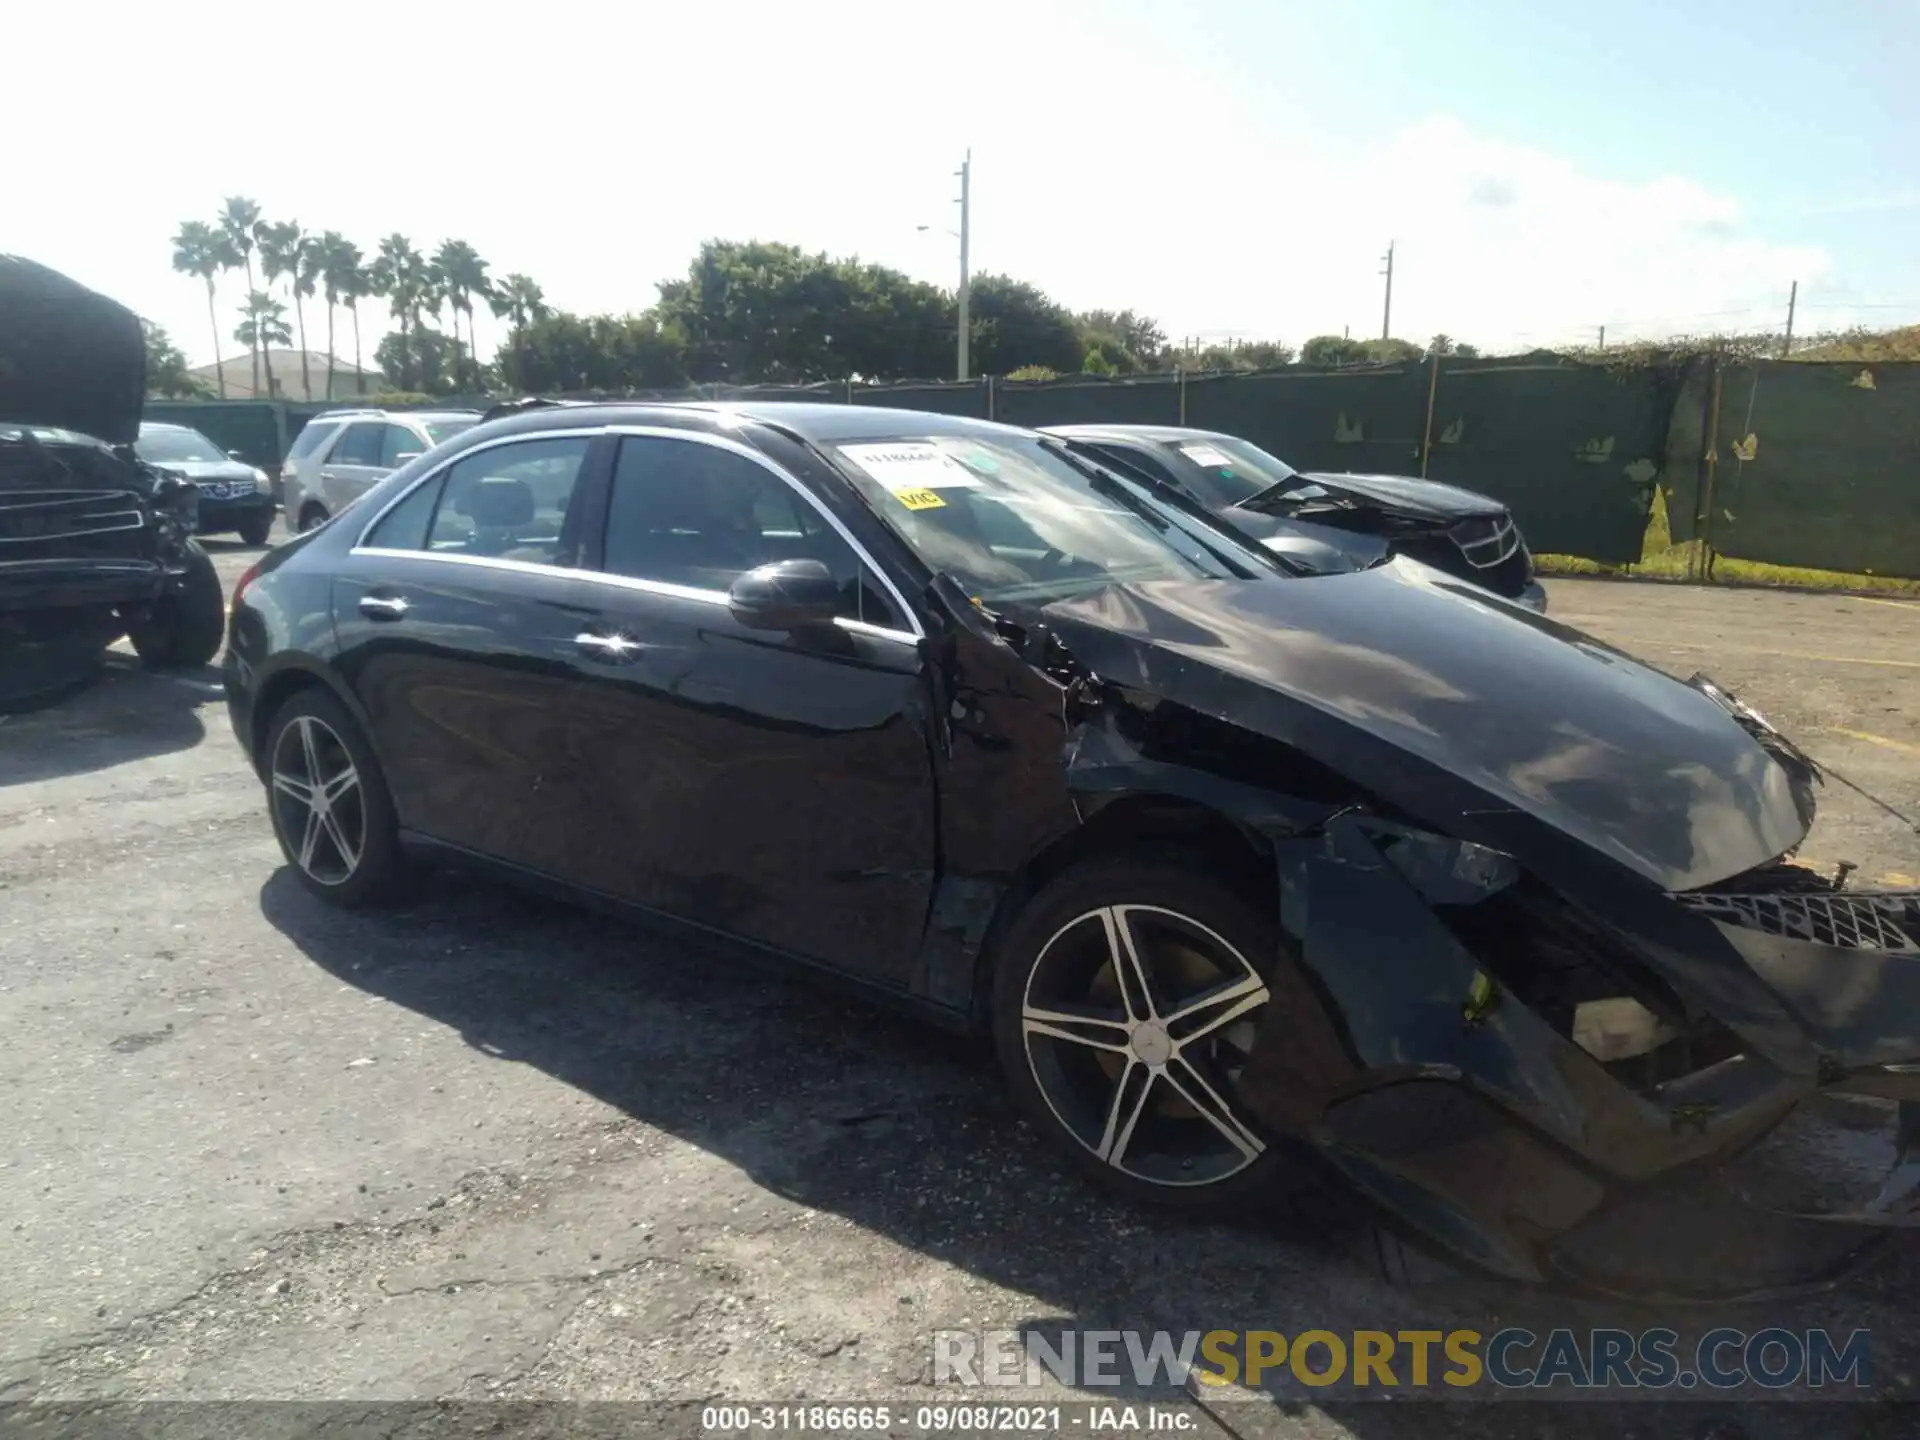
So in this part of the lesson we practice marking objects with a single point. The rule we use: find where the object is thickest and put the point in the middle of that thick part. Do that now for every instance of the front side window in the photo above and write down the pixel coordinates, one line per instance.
(507, 502)
(1013, 519)
(360, 445)
(684, 512)
(398, 445)
(181, 447)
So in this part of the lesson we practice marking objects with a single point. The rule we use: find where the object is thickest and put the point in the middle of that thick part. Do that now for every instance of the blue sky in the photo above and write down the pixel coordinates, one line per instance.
(1232, 168)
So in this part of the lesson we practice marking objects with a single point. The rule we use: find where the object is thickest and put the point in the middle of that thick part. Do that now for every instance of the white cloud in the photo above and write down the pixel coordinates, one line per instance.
(596, 146)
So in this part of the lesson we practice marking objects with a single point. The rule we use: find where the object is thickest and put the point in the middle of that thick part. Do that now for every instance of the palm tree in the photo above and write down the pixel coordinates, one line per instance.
(357, 283)
(264, 327)
(238, 220)
(334, 270)
(201, 250)
(401, 275)
(309, 262)
(519, 302)
(464, 274)
(281, 248)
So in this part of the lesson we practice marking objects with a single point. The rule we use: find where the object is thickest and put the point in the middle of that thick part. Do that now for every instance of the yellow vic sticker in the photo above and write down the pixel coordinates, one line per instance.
(920, 499)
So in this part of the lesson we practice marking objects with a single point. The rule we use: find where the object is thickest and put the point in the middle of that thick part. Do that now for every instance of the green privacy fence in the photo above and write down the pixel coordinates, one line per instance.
(1803, 463)
(1791, 462)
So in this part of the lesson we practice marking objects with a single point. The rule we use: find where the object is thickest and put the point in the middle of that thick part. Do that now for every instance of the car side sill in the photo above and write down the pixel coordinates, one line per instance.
(672, 927)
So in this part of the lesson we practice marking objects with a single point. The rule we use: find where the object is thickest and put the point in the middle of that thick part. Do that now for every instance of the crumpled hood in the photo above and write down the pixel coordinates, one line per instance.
(70, 359)
(1451, 704)
(1425, 499)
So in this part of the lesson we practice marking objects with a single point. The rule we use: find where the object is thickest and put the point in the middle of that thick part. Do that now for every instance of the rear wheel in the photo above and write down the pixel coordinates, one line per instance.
(1125, 1005)
(183, 630)
(331, 810)
(253, 529)
(313, 517)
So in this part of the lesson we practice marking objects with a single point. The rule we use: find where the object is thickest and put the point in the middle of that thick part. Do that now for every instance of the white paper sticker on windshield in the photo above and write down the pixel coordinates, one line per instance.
(911, 465)
(1207, 456)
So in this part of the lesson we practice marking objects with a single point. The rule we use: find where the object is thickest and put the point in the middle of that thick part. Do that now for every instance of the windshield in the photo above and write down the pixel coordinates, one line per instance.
(185, 447)
(1011, 519)
(1231, 471)
(440, 430)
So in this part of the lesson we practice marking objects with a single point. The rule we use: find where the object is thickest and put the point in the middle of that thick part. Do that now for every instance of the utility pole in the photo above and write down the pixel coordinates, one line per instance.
(966, 226)
(1793, 298)
(1386, 317)
(1603, 337)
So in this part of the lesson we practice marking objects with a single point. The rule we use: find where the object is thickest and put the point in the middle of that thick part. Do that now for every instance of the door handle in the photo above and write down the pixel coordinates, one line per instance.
(384, 607)
(615, 649)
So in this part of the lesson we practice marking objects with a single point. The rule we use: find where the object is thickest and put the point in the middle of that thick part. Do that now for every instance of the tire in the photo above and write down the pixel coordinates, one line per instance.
(352, 857)
(312, 517)
(253, 529)
(1170, 1154)
(184, 630)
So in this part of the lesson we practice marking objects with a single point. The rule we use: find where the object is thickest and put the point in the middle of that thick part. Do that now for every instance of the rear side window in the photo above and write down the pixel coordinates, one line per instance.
(512, 502)
(359, 446)
(316, 434)
(399, 445)
(684, 512)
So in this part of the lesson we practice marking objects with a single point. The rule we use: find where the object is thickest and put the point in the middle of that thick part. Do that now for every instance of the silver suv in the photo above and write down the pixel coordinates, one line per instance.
(341, 453)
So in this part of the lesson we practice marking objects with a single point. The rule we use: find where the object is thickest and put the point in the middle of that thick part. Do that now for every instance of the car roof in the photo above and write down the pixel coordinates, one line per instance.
(817, 423)
(371, 413)
(1133, 432)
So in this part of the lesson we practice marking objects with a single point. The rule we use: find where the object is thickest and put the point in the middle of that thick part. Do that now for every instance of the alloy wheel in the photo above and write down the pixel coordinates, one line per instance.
(1137, 1022)
(319, 807)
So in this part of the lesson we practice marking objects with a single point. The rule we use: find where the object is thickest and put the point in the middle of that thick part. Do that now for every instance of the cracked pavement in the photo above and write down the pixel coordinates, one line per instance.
(490, 1148)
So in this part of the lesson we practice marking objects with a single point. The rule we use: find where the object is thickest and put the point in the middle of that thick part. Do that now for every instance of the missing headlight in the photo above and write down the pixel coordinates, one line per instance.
(1619, 1028)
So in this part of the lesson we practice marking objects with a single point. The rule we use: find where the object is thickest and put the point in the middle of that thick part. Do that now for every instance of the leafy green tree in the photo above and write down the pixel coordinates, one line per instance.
(1333, 350)
(239, 219)
(1132, 343)
(264, 327)
(1015, 324)
(167, 373)
(559, 353)
(440, 364)
(202, 251)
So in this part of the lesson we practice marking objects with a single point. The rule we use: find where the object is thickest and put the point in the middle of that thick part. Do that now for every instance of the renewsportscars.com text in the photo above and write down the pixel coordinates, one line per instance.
(1443, 1360)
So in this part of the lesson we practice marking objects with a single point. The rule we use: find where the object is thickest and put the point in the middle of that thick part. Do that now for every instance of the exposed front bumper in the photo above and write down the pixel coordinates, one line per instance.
(1477, 1120)
(218, 515)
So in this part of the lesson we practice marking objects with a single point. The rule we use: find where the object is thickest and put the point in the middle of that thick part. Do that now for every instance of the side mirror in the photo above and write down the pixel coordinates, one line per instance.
(786, 595)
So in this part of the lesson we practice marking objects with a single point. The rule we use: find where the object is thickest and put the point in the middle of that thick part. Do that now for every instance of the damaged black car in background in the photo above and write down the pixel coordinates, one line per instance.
(94, 542)
(1323, 520)
(1252, 874)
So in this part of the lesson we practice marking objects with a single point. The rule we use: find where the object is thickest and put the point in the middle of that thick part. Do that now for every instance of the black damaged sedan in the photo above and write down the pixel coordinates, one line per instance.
(1252, 875)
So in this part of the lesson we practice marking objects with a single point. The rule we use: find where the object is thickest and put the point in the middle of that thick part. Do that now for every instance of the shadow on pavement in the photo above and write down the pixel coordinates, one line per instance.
(904, 1130)
(126, 713)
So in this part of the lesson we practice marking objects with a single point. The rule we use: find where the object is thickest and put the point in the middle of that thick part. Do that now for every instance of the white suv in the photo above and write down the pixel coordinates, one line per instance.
(341, 453)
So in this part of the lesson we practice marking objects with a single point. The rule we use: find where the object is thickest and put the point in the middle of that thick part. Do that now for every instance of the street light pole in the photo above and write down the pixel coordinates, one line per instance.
(966, 216)
(1386, 314)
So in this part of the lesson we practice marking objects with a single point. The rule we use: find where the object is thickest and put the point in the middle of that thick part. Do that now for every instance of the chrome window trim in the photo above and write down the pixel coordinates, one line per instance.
(629, 582)
(616, 582)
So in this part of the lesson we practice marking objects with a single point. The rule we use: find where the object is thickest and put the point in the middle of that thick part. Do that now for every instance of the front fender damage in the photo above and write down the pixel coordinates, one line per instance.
(1442, 1093)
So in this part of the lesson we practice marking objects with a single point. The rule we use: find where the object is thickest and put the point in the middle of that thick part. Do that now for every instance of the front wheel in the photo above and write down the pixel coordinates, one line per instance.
(331, 810)
(253, 529)
(1125, 1004)
(183, 630)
